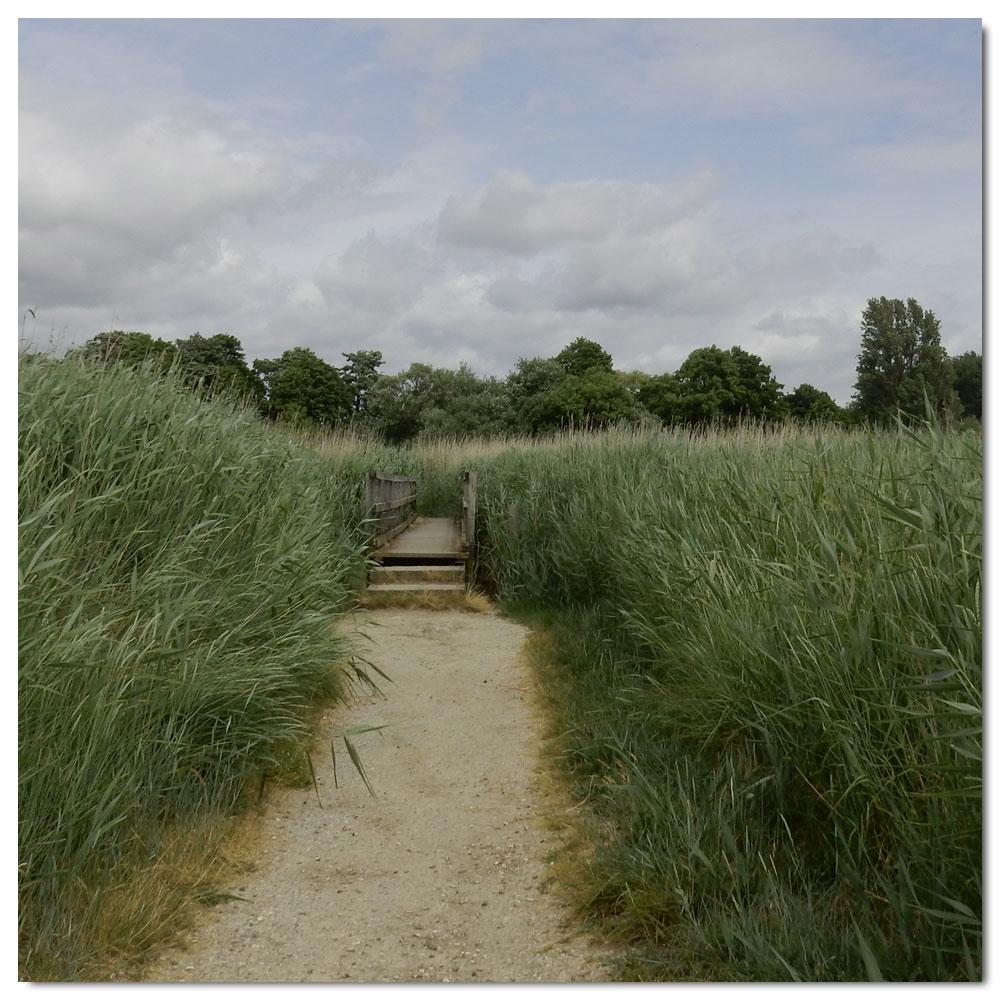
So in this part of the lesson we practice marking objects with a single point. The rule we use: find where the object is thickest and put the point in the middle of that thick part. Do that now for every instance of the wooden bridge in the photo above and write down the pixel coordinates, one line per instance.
(417, 554)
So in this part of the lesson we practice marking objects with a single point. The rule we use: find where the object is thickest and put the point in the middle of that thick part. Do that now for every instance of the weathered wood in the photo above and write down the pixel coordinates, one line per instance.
(426, 538)
(468, 528)
(387, 505)
(391, 504)
(379, 542)
(417, 553)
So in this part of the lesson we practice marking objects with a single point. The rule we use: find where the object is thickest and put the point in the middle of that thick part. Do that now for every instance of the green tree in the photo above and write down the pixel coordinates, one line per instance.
(810, 404)
(758, 393)
(527, 386)
(127, 347)
(968, 383)
(726, 386)
(705, 385)
(396, 402)
(361, 373)
(661, 397)
(467, 406)
(594, 398)
(582, 355)
(437, 402)
(217, 365)
(901, 362)
(302, 387)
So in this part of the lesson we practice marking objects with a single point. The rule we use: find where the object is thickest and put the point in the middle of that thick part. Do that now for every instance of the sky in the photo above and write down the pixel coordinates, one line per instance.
(480, 191)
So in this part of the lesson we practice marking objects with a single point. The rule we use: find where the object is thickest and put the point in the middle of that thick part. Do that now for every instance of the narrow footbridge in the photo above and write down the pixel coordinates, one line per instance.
(416, 553)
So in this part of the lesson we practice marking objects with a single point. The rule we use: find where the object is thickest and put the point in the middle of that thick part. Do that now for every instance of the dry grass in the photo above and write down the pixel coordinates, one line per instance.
(140, 909)
(429, 600)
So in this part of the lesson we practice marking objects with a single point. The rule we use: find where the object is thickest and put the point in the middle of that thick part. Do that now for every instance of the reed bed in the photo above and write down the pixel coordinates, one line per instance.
(180, 570)
(764, 661)
(766, 658)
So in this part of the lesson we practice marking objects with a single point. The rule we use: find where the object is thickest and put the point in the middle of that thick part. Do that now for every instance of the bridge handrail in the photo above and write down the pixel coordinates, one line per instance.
(391, 506)
(469, 512)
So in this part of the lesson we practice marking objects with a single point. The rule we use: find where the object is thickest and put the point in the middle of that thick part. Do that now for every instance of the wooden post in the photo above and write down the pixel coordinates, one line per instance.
(371, 493)
(469, 512)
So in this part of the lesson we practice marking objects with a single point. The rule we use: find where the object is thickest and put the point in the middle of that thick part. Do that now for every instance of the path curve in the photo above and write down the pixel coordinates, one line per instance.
(440, 878)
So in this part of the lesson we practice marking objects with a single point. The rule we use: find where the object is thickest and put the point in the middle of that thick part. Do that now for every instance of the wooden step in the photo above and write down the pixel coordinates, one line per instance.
(414, 574)
(415, 587)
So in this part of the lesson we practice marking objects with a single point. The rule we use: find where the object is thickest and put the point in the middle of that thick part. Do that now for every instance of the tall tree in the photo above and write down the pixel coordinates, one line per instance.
(968, 383)
(216, 365)
(758, 393)
(301, 386)
(396, 403)
(594, 398)
(437, 402)
(361, 373)
(582, 355)
(478, 407)
(705, 384)
(902, 362)
(127, 347)
(527, 386)
(726, 386)
(813, 405)
(661, 397)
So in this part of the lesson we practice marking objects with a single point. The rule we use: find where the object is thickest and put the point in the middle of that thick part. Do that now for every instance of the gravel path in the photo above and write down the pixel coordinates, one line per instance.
(442, 876)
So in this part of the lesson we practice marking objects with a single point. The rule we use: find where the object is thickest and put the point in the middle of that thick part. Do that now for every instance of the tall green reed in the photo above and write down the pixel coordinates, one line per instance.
(179, 570)
(793, 619)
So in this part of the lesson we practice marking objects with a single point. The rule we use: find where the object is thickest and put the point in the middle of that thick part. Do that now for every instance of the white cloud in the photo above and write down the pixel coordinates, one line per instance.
(379, 275)
(153, 181)
(510, 214)
(438, 196)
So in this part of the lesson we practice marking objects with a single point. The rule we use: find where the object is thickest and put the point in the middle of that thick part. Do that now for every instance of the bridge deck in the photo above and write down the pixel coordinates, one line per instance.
(426, 538)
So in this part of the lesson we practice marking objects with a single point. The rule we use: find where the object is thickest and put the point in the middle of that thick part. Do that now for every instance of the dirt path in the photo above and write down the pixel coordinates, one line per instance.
(442, 877)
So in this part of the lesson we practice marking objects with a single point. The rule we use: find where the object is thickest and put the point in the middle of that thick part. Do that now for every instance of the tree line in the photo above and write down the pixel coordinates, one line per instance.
(902, 369)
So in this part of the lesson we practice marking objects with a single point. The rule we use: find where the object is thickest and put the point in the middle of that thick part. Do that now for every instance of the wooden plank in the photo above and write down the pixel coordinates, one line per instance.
(427, 538)
(389, 533)
(385, 478)
(387, 505)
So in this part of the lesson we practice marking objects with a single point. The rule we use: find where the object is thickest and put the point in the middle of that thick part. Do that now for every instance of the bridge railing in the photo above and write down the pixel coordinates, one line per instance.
(390, 508)
(468, 526)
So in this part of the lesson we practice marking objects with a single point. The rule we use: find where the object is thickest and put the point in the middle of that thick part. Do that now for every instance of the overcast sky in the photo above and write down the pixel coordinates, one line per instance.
(481, 191)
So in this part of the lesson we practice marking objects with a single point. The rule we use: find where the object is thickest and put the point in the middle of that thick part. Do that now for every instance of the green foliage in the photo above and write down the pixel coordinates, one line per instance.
(361, 373)
(478, 411)
(902, 367)
(660, 395)
(813, 405)
(437, 402)
(726, 387)
(758, 394)
(179, 567)
(216, 365)
(968, 383)
(595, 398)
(527, 386)
(127, 348)
(303, 387)
(768, 666)
(577, 388)
(582, 355)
